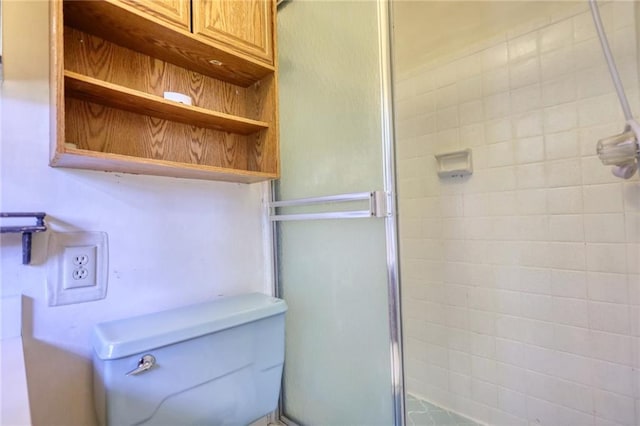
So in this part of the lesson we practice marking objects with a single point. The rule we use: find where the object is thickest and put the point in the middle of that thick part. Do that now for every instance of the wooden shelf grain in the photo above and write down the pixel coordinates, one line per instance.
(108, 162)
(101, 92)
(127, 26)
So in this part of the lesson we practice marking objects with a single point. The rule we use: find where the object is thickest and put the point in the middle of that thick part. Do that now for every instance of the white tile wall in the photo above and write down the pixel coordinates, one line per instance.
(520, 283)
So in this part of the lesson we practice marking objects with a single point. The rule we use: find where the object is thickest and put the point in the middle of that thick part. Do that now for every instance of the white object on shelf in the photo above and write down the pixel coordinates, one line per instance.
(178, 97)
(455, 164)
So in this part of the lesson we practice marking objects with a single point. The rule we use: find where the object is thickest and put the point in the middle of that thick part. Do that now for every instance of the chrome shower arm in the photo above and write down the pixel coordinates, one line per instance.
(613, 70)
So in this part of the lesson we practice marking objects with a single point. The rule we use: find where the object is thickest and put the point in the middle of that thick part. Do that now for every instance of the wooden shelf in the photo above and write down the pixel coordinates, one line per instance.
(91, 160)
(111, 63)
(101, 92)
(126, 26)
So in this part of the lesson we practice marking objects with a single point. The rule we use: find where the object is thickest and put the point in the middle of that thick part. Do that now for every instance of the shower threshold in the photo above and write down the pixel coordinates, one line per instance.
(424, 413)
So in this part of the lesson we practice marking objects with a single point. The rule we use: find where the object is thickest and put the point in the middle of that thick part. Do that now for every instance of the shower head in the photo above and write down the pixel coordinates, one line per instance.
(621, 151)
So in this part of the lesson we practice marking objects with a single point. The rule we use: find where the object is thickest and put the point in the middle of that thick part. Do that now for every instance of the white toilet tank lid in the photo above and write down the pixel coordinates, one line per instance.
(129, 336)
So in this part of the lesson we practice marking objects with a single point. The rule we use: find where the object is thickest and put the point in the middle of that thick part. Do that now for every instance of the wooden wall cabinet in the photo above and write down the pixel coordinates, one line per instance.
(111, 63)
(245, 25)
(175, 12)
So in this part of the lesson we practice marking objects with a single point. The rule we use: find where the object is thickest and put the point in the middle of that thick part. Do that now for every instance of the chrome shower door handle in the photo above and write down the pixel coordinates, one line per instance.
(144, 364)
(379, 206)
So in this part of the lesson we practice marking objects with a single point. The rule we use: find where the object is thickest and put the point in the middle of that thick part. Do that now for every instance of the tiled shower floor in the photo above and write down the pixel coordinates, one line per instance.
(423, 413)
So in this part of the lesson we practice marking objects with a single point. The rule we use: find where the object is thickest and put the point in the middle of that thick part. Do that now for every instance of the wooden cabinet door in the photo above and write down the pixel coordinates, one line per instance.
(175, 12)
(243, 25)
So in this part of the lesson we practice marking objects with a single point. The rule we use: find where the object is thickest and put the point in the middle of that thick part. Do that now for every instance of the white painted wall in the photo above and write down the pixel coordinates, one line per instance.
(521, 293)
(172, 242)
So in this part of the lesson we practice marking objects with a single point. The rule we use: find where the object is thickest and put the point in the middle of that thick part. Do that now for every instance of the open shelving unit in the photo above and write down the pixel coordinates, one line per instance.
(101, 92)
(110, 66)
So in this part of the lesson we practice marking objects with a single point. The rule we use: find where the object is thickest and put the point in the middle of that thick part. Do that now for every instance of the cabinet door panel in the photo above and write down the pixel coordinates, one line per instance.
(244, 25)
(175, 12)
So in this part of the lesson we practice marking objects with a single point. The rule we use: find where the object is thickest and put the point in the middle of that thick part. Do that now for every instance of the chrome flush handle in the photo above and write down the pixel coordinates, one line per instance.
(144, 364)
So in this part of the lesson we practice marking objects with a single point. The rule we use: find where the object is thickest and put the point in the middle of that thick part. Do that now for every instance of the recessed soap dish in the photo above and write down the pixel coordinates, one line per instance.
(455, 164)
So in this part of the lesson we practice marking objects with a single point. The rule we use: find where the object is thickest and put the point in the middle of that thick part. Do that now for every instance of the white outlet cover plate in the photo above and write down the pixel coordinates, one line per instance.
(69, 266)
(57, 293)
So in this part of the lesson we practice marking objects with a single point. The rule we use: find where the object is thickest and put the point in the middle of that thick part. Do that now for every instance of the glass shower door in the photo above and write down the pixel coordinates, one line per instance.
(341, 364)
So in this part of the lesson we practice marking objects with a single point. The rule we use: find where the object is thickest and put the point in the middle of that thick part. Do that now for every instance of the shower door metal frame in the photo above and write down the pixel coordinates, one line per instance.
(391, 225)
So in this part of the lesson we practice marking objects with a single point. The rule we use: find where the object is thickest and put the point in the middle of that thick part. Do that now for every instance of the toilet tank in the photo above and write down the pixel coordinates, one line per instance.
(215, 363)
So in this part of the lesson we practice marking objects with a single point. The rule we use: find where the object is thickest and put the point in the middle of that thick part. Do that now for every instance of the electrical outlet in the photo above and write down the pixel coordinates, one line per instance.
(79, 266)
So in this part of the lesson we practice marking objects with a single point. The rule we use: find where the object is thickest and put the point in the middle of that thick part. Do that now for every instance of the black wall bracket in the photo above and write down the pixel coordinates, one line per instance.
(26, 231)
